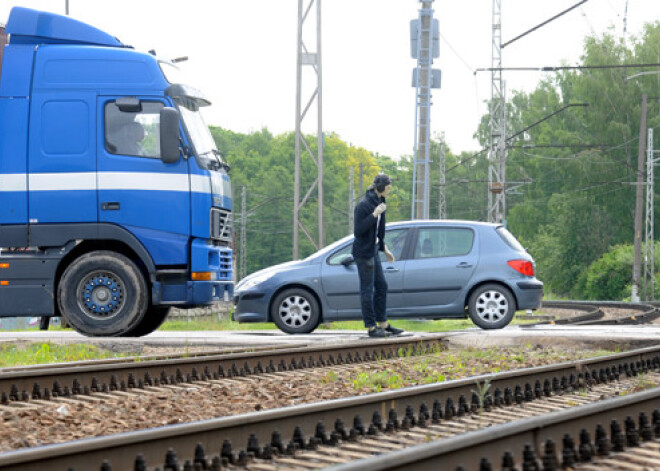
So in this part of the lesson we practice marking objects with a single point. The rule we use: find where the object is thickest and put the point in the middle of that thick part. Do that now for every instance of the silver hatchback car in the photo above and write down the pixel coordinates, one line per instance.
(443, 269)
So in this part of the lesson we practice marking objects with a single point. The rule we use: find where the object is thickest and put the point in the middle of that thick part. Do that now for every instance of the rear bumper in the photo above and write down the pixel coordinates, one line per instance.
(192, 293)
(529, 294)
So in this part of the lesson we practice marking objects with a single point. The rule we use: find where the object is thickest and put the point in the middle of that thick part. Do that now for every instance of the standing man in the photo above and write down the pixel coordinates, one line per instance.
(369, 240)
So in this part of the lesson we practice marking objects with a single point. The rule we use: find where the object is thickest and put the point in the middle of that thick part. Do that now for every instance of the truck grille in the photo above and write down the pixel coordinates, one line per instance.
(221, 225)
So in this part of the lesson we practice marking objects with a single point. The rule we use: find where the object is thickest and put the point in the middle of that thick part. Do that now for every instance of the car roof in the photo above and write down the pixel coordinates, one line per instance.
(435, 222)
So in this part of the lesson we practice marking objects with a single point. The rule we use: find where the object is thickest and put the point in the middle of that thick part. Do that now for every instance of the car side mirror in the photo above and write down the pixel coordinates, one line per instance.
(347, 260)
(169, 135)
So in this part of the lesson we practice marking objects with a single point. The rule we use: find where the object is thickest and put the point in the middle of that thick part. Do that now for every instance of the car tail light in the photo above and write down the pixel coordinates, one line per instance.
(522, 266)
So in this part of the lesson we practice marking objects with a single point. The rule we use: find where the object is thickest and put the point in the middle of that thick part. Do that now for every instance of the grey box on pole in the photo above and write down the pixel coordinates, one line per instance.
(436, 76)
(414, 37)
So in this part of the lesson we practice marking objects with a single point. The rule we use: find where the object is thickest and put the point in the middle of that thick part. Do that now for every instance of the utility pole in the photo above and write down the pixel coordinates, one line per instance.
(242, 270)
(66, 7)
(649, 240)
(497, 150)
(361, 180)
(425, 46)
(638, 205)
(313, 60)
(351, 201)
(442, 162)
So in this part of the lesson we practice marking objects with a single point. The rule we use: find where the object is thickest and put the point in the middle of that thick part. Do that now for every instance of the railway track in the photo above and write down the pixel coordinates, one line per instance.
(598, 313)
(83, 378)
(352, 427)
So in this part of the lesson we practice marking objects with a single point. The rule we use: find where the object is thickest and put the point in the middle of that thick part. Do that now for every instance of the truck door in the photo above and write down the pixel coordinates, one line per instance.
(135, 188)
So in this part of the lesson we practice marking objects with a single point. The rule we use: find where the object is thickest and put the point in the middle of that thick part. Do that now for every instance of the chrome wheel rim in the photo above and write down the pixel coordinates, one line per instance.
(492, 306)
(295, 311)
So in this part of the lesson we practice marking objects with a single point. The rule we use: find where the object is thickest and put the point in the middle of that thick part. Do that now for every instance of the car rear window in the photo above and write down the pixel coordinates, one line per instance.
(510, 239)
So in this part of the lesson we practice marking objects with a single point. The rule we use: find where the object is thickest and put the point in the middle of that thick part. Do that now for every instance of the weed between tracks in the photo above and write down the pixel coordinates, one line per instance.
(444, 365)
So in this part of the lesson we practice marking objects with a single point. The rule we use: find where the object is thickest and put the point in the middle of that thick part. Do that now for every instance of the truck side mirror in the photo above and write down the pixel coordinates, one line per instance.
(169, 135)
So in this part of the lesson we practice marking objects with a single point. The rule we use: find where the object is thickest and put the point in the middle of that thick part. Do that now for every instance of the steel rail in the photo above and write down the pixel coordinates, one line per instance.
(470, 451)
(79, 378)
(641, 313)
(121, 449)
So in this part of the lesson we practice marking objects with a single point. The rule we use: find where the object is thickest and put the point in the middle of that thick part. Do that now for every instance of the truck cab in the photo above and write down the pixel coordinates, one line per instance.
(115, 203)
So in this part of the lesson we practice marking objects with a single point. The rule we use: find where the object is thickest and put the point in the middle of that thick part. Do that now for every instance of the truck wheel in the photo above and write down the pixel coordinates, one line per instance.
(491, 306)
(295, 311)
(103, 293)
(153, 319)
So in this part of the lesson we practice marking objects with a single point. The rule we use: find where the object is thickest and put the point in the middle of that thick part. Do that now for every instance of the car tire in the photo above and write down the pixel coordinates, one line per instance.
(152, 320)
(296, 311)
(491, 306)
(103, 293)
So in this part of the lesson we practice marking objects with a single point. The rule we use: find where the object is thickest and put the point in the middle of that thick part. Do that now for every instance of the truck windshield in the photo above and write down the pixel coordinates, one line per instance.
(200, 136)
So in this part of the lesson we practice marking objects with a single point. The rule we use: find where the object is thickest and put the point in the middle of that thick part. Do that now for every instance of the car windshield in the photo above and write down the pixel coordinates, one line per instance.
(510, 239)
(330, 248)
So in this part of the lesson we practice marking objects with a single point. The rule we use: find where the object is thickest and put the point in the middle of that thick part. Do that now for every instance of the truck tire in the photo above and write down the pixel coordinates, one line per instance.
(103, 293)
(153, 319)
(491, 306)
(295, 311)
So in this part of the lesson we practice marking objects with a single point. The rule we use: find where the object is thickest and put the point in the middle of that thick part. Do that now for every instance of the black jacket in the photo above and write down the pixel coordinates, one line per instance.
(365, 226)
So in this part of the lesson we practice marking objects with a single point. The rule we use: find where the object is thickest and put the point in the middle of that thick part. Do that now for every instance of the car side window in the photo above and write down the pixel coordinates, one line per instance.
(339, 255)
(133, 133)
(433, 242)
(394, 238)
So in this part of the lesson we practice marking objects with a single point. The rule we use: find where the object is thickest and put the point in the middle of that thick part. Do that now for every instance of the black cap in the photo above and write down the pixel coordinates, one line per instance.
(382, 181)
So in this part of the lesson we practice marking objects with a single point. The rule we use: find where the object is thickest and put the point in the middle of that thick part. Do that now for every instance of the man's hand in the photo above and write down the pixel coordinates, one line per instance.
(380, 209)
(389, 255)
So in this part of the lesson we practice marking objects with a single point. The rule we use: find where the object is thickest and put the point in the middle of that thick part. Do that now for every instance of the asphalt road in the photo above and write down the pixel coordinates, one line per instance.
(605, 336)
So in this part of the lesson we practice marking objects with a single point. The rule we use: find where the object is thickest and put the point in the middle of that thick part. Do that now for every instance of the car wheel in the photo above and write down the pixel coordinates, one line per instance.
(103, 294)
(295, 311)
(491, 306)
(153, 319)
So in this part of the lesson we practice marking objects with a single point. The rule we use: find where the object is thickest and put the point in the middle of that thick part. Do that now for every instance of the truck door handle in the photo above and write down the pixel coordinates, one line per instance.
(110, 206)
(391, 270)
(464, 265)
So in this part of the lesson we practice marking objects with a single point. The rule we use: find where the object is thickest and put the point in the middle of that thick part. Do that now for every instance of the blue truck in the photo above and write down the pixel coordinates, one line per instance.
(115, 204)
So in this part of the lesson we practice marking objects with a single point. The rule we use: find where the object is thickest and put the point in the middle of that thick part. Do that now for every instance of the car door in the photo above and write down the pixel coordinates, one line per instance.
(341, 285)
(442, 262)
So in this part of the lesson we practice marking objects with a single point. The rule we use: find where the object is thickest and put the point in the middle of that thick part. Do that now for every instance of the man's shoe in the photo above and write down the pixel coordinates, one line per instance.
(393, 330)
(378, 333)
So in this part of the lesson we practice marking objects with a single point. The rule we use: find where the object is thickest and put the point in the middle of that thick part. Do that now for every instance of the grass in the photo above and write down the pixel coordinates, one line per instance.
(41, 353)
(409, 325)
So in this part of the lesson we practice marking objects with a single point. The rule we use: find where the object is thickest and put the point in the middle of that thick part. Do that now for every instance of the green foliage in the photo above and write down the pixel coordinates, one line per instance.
(609, 277)
(575, 201)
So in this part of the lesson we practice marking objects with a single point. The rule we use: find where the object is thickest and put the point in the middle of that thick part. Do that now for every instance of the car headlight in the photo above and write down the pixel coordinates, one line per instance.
(251, 282)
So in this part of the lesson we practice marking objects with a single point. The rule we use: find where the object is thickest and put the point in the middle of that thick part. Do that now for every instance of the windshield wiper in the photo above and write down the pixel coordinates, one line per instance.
(224, 165)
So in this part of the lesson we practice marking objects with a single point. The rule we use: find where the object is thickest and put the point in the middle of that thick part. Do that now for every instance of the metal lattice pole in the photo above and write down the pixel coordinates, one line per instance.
(423, 78)
(243, 260)
(649, 248)
(442, 162)
(351, 200)
(313, 60)
(497, 151)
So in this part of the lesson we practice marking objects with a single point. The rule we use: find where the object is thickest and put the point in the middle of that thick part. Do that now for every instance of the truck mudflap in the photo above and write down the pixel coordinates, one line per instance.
(192, 293)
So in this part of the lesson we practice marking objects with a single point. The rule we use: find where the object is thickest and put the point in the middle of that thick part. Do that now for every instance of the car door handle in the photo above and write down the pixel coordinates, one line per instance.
(464, 265)
(391, 270)
(110, 206)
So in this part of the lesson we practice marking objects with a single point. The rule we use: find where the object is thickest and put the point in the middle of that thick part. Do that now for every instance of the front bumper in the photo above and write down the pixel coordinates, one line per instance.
(192, 293)
(251, 306)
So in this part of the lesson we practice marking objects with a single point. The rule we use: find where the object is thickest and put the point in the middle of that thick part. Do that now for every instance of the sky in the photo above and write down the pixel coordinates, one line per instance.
(242, 54)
